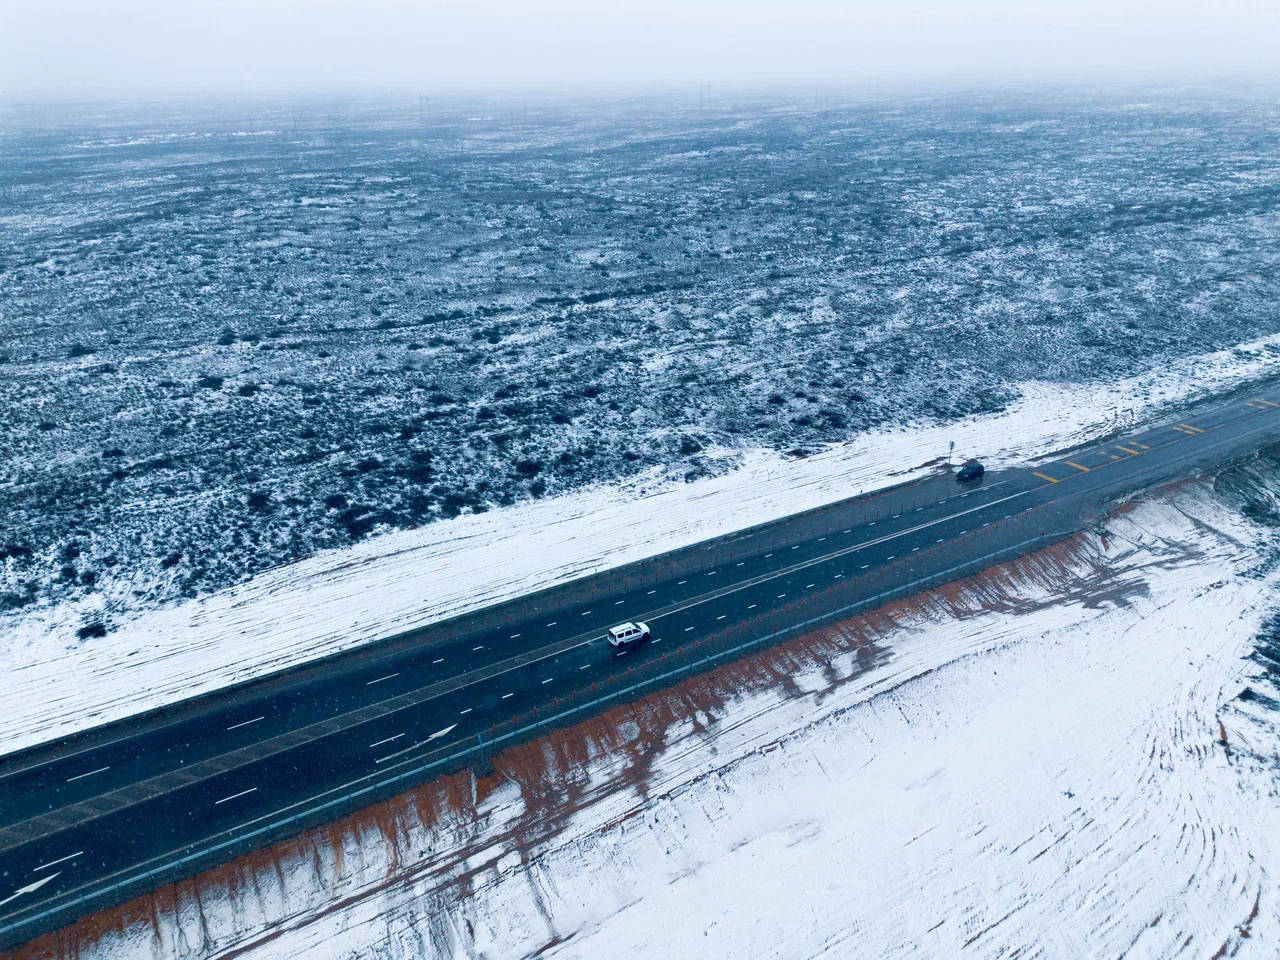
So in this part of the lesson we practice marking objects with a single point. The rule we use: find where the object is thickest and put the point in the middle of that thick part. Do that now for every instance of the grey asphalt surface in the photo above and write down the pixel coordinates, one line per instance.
(101, 817)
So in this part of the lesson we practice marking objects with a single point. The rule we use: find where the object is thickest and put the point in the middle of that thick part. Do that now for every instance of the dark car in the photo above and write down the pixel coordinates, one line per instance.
(970, 472)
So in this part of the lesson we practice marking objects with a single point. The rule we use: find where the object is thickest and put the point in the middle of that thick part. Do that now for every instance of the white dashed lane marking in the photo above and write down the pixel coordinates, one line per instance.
(242, 793)
(54, 863)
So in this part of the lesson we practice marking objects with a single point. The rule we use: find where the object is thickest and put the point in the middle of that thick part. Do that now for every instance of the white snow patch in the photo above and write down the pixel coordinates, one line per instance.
(52, 685)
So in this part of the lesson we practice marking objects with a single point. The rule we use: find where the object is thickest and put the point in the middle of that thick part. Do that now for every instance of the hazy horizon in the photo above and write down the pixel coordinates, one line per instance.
(148, 48)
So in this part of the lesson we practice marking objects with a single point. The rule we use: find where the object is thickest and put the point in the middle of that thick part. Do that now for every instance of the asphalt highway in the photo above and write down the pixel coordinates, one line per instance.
(97, 818)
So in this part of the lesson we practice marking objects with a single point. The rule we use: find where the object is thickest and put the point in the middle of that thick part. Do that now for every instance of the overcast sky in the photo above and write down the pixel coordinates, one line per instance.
(96, 47)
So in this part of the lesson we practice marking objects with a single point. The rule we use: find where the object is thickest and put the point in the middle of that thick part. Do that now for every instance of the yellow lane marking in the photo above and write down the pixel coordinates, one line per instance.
(1142, 445)
(1254, 404)
(1268, 403)
(1187, 426)
(1114, 457)
(1187, 432)
(1045, 476)
(1072, 463)
(1120, 446)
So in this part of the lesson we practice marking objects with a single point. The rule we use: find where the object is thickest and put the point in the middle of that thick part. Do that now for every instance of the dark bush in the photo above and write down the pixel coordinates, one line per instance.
(259, 500)
(78, 350)
(689, 445)
(88, 578)
(209, 383)
(69, 571)
(12, 600)
(335, 501)
(112, 454)
(358, 521)
(172, 560)
(228, 337)
(418, 468)
(247, 389)
(529, 468)
(369, 464)
(452, 503)
(91, 630)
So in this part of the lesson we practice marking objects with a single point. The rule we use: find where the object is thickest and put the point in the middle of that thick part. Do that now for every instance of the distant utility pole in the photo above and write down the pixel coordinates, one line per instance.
(293, 110)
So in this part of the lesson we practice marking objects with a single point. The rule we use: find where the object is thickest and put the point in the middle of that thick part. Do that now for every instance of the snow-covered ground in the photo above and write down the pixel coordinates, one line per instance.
(1048, 761)
(52, 683)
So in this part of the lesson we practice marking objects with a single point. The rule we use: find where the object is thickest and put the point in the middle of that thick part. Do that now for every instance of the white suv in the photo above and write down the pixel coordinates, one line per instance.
(625, 634)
